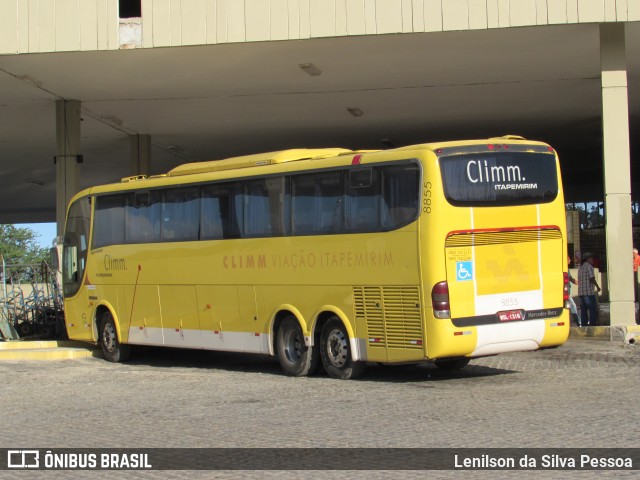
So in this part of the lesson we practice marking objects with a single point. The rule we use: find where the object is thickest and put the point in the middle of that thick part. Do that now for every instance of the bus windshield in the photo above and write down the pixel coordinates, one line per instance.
(499, 178)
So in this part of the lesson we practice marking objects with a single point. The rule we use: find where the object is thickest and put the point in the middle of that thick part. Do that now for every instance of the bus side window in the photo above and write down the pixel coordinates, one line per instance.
(143, 217)
(263, 208)
(212, 217)
(257, 221)
(363, 201)
(180, 214)
(330, 203)
(221, 211)
(303, 204)
(109, 220)
(279, 205)
(317, 203)
(400, 194)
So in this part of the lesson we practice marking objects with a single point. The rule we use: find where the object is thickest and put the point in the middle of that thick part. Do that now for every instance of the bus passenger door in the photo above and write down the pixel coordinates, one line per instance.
(74, 259)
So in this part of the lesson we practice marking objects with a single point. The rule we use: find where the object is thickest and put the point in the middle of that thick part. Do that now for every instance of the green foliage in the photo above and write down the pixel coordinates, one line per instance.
(20, 246)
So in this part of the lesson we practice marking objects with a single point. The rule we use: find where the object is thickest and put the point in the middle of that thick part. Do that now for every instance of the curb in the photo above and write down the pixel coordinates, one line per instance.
(46, 350)
(617, 333)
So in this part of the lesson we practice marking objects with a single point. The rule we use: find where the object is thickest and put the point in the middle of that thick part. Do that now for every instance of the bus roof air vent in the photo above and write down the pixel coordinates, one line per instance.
(256, 160)
(134, 178)
(508, 137)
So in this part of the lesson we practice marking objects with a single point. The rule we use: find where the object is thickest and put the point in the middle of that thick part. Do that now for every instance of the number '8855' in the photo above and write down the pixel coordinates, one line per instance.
(509, 302)
(426, 197)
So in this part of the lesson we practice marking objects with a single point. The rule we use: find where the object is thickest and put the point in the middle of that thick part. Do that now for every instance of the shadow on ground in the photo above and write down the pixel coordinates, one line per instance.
(240, 362)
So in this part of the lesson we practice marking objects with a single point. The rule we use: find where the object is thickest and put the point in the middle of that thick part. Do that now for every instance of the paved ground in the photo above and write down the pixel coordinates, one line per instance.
(584, 394)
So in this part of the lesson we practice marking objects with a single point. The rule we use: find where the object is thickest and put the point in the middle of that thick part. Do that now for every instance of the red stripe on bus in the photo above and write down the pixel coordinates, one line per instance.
(506, 229)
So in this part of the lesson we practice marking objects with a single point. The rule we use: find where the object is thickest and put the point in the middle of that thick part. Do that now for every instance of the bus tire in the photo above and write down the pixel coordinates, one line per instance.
(296, 359)
(25, 329)
(452, 363)
(335, 351)
(112, 349)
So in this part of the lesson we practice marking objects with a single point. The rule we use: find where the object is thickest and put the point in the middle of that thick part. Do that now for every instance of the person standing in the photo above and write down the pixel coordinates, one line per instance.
(587, 286)
(573, 309)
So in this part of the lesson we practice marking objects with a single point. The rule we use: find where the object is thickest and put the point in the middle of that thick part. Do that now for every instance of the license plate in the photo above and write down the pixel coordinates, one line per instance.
(510, 315)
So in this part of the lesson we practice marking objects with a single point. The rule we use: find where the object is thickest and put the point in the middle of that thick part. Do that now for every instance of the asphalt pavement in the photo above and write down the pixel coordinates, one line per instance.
(584, 394)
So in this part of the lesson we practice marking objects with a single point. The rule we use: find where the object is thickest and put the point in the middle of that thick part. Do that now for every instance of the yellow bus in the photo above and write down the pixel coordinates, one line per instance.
(441, 251)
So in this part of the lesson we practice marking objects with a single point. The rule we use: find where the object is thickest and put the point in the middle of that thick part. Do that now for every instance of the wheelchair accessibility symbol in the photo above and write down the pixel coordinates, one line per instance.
(464, 271)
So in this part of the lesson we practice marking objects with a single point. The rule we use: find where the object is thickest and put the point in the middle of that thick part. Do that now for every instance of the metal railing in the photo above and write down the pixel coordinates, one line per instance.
(31, 303)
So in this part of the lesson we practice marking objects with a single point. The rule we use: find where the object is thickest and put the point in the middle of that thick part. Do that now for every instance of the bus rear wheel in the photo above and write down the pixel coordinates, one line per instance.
(296, 359)
(112, 349)
(335, 350)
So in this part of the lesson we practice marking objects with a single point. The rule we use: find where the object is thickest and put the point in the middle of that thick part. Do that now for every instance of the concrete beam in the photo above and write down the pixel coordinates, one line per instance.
(140, 154)
(617, 172)
(67, 157)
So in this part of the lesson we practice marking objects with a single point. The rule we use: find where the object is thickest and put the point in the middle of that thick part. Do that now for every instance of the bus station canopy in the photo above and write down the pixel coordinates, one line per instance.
(199, 103)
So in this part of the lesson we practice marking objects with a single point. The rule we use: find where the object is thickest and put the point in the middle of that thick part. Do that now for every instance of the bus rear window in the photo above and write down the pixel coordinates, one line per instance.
(504, 178)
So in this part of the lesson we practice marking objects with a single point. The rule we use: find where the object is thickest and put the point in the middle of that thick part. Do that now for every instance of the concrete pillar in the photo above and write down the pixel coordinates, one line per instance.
(67, 157)
(140, 154)
(617, 173)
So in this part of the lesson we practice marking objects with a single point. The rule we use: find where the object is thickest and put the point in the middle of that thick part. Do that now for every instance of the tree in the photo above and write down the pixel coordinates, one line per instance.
(19, 246)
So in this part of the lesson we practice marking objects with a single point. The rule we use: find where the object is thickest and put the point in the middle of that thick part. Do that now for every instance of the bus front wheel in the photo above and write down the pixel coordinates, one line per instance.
(335, 351)
(112, 349)
(296, 359)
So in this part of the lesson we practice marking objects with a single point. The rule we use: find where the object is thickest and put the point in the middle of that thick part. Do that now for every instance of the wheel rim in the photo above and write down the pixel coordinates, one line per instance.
(109, 337)
(293, 346)
(24, 329)
(337, 348)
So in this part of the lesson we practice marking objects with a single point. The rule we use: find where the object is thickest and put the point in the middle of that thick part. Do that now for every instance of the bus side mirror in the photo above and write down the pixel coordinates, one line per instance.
(55, 252)
(54, 259)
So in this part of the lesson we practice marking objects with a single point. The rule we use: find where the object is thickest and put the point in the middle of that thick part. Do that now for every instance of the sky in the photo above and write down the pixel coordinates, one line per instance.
(45, 232)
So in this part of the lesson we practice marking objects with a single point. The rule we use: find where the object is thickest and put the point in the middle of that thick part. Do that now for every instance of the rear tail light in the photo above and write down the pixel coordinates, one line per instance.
(440, 300)
(565, 290)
